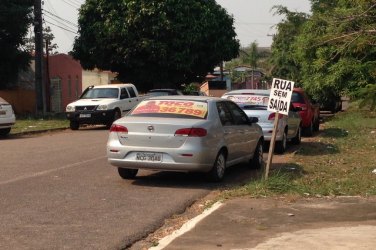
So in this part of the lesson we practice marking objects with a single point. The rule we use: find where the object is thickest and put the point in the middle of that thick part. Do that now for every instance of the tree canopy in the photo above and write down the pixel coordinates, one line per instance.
(15, 18)
(330, 52)
(337, 47)
(155, 43)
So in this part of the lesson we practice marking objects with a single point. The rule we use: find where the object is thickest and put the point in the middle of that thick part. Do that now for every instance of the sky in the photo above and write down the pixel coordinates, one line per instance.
(254, 19)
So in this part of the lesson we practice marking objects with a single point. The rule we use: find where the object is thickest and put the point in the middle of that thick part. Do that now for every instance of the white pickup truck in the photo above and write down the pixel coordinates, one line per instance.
(102, 104)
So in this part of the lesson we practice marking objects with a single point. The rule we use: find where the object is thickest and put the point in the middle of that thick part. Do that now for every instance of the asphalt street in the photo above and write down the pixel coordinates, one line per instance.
(57, 191)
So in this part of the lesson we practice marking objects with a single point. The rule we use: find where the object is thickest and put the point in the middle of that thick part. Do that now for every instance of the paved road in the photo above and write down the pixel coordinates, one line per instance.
(58, 191)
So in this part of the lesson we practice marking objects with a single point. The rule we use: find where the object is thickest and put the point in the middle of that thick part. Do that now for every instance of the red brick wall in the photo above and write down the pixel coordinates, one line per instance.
(23, 101)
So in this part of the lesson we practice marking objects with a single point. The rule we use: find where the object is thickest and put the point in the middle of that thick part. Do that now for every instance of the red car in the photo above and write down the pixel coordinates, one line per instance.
(309, 112)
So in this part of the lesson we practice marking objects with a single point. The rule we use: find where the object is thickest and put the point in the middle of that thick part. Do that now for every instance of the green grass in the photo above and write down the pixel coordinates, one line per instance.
(337, 161)
(28, 124)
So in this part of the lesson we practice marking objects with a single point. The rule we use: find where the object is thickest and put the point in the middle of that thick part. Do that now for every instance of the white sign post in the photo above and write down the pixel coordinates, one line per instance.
(279, 102)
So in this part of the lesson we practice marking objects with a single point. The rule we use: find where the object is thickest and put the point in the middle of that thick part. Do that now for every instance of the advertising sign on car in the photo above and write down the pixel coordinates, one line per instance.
(280, 96)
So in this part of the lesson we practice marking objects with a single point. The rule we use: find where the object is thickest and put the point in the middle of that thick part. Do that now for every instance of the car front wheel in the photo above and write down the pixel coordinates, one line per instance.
(74, 125)
(127, 173)
(218, 171)
(4, 131)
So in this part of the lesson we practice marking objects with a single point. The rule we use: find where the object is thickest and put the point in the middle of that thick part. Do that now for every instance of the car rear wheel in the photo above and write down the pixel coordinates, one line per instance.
(280, 146)
(308, 131)
(74, 125)
(316, 124)
(217, 173)
(127, 173)
(257, 160)
(117, 115)
(298, 137)
(4, 131)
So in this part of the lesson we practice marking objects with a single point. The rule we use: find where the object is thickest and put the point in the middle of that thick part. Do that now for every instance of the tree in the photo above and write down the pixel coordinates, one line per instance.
(48, 36)
(252, 56)
(155, 43)
(15, 18)
(337, 47)
(283, 58)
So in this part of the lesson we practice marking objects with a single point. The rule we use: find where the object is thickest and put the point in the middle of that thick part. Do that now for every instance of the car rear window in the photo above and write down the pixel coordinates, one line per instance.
(297, 98)
(171, 109)
(249, 98)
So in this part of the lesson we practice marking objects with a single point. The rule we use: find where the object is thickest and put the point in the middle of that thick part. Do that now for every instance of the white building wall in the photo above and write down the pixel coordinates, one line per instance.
(96, 77)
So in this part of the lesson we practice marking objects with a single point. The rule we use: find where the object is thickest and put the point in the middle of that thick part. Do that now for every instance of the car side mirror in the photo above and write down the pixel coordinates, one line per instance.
(253, 120)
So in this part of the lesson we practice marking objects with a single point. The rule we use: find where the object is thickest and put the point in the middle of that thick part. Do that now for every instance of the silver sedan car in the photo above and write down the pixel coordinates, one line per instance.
(184, 133)
(254, 103)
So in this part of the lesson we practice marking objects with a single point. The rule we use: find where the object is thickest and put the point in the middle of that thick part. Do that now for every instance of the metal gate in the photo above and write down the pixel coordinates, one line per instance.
(55, 93)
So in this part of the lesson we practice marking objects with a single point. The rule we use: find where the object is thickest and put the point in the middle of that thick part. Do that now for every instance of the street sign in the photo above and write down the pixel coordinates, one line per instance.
(280, 96)
(279, 102)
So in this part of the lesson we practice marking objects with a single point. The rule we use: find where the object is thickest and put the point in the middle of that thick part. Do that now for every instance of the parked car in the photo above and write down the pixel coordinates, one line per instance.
(184, 133)
(254, 103)
(102, 104)
(162, 92)
(332, 104)
(7, 117)
(309, 112)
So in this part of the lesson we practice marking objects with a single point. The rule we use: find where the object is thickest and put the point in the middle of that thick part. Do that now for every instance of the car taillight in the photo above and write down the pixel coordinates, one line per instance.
(191, 132)
(272, 116)
(118, 129)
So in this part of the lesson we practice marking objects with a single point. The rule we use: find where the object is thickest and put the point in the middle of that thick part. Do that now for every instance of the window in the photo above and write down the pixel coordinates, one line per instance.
(77, 88)
(297, 98)
(131, 92)
(69, 86)
(224, 114)
(123, 93)
(240, 117)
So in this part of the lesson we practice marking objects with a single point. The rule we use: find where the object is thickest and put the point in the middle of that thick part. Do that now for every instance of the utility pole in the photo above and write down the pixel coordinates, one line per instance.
(38, 31)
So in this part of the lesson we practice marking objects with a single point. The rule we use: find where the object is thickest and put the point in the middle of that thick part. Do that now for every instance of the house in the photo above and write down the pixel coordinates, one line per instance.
(216, 84)
(248, 78)
(65, 82)
(97, 77)
(64, 85)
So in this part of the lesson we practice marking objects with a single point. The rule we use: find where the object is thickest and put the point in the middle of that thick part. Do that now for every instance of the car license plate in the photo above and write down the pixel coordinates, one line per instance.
(85, 115)
(150, 157)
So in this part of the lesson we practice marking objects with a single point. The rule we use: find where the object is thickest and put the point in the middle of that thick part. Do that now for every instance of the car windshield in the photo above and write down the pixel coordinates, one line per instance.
(171, 109)
(101, 93)
(297, 98)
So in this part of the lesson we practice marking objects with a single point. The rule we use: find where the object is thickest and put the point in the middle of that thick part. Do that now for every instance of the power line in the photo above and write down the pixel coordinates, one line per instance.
(61, 27)
(65, 20)
(70, 4)
(59, 22)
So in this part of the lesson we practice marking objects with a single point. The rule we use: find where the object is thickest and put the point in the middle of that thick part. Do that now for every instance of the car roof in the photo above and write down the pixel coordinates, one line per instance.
(164, 90)
(117, 85)
(248, 91)
(186, 97)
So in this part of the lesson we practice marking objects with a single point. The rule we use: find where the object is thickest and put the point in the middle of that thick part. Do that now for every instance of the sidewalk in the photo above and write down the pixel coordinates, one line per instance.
(315, 223)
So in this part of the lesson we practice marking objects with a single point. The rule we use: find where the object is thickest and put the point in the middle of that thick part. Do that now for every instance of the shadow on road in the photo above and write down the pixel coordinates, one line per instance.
(234, 176)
